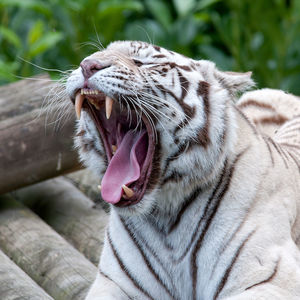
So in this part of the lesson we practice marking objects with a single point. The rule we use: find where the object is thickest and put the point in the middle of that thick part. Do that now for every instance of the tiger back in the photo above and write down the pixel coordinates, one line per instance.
(204, 190)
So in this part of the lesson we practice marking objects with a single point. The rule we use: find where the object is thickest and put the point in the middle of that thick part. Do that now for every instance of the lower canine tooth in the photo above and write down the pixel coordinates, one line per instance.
(128, 191)
(99, 187)
(108, 106)
(114, 149)
(78, 104)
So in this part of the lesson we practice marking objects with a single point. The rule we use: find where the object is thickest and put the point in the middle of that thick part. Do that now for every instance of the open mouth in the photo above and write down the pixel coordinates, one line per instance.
(129, 144)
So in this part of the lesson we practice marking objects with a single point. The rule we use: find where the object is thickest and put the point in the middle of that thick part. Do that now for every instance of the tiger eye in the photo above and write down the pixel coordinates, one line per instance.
(137, 62)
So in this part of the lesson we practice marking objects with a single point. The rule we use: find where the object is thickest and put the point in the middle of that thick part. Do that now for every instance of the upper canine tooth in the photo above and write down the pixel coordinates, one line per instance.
(108, 106)
(78, 104)
(128, 191)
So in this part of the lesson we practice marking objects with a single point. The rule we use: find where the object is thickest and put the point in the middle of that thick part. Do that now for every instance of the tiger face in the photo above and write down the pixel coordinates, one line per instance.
(152, 123)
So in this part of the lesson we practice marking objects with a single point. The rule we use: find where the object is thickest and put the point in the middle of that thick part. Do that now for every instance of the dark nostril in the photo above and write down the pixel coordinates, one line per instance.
(90, 67)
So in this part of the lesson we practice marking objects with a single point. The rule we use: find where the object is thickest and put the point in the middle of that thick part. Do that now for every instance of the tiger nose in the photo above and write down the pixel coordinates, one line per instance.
(90, 67)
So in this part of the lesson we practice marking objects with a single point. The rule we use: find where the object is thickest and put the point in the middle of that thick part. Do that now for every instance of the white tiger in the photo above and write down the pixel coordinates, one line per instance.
(204, 192)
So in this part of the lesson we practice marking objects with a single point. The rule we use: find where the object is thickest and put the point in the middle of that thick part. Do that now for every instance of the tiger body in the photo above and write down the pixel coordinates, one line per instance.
(219, 218)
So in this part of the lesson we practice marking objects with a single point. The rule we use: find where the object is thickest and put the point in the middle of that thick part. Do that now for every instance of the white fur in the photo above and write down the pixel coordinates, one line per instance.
(241, 247)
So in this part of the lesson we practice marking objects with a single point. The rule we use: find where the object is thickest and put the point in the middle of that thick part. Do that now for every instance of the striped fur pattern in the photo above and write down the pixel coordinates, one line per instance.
(220, 216)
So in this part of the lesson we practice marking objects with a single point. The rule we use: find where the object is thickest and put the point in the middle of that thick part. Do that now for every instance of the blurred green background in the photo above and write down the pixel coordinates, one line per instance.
(240, 35)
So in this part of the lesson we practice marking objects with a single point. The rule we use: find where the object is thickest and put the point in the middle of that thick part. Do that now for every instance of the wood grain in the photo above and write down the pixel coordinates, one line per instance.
(62, 271)
(74, 216)
(35, 145)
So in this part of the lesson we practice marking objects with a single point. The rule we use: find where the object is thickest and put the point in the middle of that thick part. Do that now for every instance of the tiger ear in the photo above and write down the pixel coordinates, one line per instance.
(233, 81)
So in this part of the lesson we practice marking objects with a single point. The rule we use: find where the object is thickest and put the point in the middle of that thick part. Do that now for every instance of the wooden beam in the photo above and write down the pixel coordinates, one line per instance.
(15, 284)
(62, 271)
(74, 216)
(33, 147)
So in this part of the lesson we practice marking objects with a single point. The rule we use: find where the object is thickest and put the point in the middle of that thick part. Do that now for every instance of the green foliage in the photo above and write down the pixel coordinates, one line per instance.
(261, 36)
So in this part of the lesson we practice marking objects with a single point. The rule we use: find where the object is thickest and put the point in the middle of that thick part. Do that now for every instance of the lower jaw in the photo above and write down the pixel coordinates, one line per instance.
(143, 182)
(125, 203)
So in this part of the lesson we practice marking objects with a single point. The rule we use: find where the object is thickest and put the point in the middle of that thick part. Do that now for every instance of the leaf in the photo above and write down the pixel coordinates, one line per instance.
(183, 7)
(110, 6)
(223, 61)
(147, 30)
(8, 69)
(47, 41)
(202, 17)
(185, 30)
(35, 32)
(10, 36)
(36, 5)
(291, 83)
(203, 4)
(160, 11)
(257, 41)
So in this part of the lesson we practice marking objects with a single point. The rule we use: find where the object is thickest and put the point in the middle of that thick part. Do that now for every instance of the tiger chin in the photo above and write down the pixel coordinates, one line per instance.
(203, 187)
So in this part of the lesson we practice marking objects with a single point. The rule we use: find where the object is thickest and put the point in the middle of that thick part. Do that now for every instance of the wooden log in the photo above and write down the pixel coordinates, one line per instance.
(45, 256)
(74, 216)
(88, 183)
(31, 148)
(15, 284)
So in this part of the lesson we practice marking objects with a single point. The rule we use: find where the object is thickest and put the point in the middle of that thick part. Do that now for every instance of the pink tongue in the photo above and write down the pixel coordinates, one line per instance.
(124, 167)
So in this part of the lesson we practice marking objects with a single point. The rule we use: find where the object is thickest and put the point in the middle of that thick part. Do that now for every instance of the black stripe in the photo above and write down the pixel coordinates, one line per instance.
(296, 161)
(269, 149)
(125, 269)
(174, 176)
(228, 243)
(286, 130)
(203, 216)
(278, 120)
(152, 252)
(270, 278)
(285, 155)
(181, 125)
(184, 84)
(291, 135)
(203, 134)
(147, 262)
(211, 214)
(174, 156)
(187, 109)
(246, 119)
(251, 102)
(290, 145)
(159, 56)
(107, 277)
(186, 203)
(297, 240)
(229, 268)
(280, 152)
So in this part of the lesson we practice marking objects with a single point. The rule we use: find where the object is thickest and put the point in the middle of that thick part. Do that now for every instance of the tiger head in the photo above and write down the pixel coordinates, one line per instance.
(152, 123)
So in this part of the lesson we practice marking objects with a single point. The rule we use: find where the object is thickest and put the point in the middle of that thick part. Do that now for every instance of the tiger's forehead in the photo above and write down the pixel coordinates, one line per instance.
(139, 50)
(135, 48)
